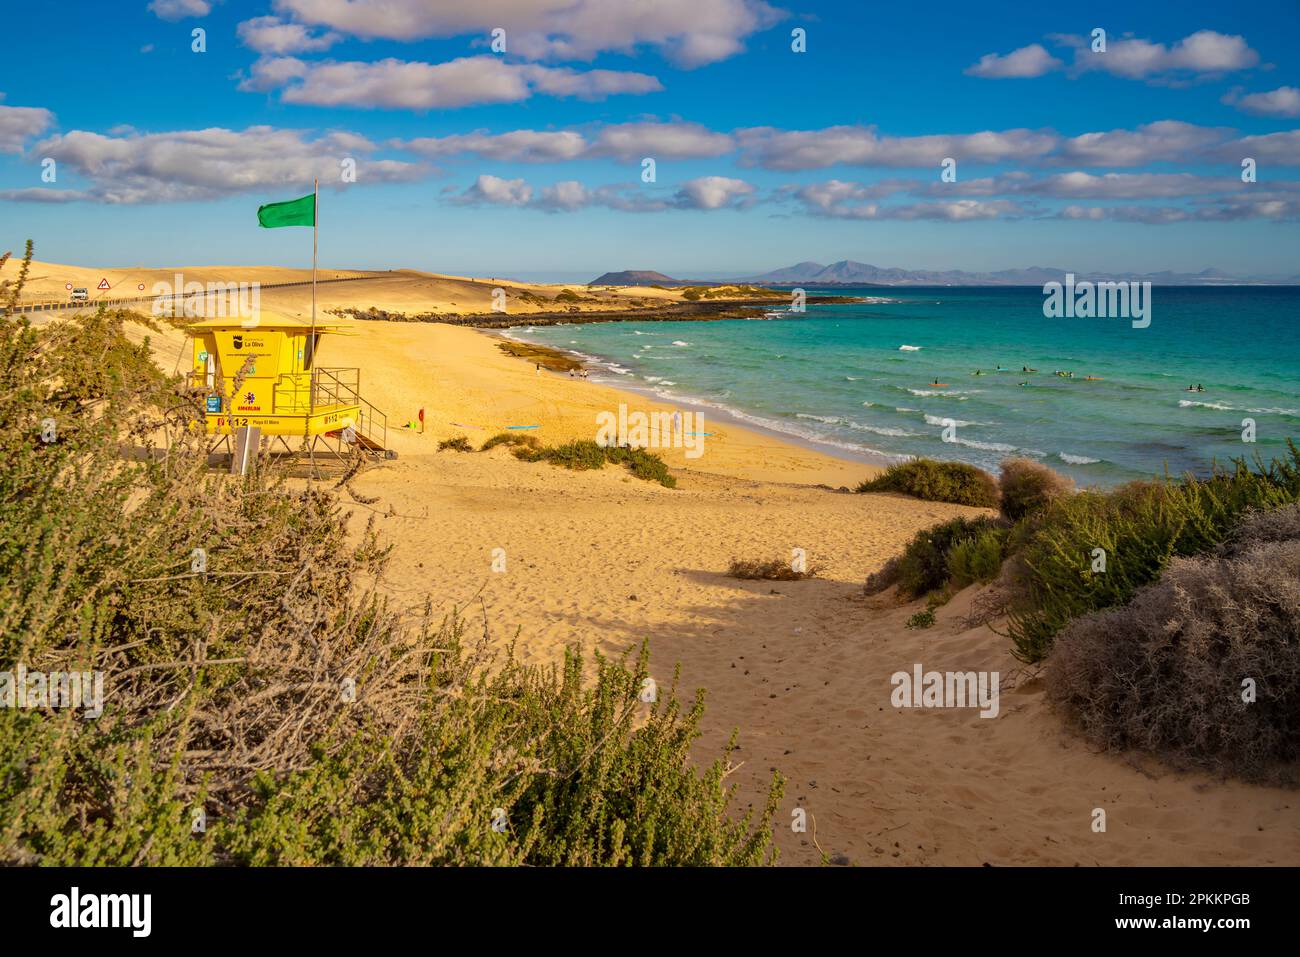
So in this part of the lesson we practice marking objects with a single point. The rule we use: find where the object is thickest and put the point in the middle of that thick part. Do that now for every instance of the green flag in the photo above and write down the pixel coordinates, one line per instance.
(293, 212)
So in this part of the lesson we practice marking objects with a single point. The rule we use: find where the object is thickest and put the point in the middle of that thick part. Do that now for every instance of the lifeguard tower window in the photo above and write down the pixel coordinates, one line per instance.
(310, 351)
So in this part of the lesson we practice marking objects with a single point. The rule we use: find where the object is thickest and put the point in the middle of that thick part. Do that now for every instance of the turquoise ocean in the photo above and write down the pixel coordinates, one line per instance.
(857, 378)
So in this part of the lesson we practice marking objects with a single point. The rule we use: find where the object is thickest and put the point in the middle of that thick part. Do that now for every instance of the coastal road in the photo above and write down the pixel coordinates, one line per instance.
(56, 306)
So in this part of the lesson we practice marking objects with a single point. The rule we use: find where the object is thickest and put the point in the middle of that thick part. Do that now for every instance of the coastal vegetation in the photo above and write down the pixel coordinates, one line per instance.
(1151, 605)
(264, 703)
(935, 481)
(1202, 666)
(511, 439)
(586, 454)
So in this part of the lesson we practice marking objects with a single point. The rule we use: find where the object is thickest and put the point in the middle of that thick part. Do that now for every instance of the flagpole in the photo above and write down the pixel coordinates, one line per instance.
(315, 229)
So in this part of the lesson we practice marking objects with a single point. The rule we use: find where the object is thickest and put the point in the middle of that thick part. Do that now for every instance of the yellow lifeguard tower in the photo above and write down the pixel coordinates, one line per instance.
(262, 374)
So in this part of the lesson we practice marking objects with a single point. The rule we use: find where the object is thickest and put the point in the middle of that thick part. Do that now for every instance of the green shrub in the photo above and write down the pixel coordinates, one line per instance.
(459, 443)
(1028, 486)
(586, 454)
(923, 566)
(276, 692)
(1165, 672)
(567, 295)
(976, 560)
(934, 481)
(1140, 528)
(922, 619)
(511, 439)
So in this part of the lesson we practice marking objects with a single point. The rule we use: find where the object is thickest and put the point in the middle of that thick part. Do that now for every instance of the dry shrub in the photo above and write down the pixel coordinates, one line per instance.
(885, 577)
(1028, 486)
(775, 570)
(1165, 673)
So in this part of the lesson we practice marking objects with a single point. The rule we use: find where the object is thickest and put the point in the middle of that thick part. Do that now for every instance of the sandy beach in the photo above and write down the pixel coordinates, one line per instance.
(801, 668)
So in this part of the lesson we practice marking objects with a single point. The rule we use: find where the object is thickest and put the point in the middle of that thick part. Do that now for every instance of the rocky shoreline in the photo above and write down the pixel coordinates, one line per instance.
(674, 312)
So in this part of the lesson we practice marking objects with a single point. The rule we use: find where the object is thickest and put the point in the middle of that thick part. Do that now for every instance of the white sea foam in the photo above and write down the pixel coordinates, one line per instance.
(1188, 403)
(1076, 459)
(950, 392)
(940, 420)
(678, 342)
(856, 426)
(909, 348)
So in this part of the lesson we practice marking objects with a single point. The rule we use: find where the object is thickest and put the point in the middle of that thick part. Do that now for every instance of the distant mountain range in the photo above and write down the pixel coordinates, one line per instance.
(846, 272)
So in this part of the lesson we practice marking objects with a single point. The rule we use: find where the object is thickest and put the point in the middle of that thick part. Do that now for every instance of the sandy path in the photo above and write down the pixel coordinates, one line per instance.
(802, 668)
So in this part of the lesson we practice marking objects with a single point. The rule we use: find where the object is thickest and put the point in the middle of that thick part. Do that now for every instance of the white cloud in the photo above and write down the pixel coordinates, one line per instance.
(703, 193)
(1204, 53)
(713, 192)
(516, 146)
(1279, 149)
(1029, 61)
(1154, 142)
(567, 195)
(623, 141)
(180, 9)
(43, 194)
(861, 146)
(836, 199)
(211, 163)
(20, 123)
(1234, 209)
(691, 32)
(497, 191)
(401, 84)
(1079, 185)
(1284, 101)
(632, 141)
(273, 36)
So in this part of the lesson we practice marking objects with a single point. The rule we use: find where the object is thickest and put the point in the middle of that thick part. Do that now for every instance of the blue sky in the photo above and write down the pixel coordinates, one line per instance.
(528, 162)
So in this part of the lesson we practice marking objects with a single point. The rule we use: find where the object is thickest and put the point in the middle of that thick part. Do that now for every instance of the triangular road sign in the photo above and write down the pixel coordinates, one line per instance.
(103, 284)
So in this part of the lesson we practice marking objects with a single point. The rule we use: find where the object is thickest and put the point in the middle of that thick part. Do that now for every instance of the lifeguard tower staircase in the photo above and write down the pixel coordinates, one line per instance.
(263, 375)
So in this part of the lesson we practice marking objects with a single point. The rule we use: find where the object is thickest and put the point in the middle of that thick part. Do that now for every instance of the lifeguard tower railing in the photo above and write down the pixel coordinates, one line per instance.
(342, 386)
(330, 388)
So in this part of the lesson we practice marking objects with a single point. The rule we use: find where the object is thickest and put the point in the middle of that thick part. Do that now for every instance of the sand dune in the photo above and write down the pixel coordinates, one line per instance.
(406, 291)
